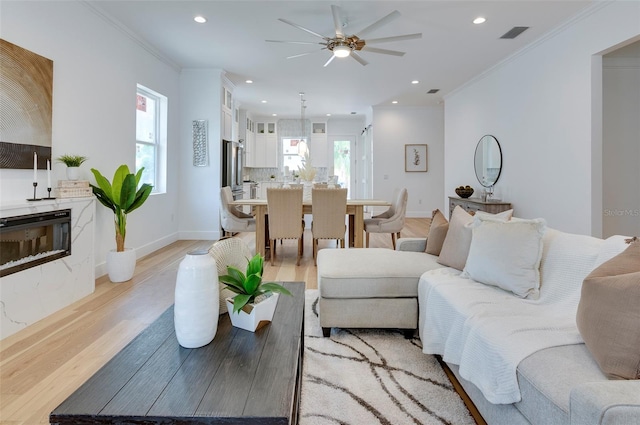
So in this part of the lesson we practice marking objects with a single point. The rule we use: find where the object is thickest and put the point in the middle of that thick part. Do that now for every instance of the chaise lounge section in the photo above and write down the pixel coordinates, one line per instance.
(559, 382)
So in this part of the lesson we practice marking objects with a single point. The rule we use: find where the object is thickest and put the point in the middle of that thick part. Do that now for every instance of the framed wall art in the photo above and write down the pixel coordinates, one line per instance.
(415, 158)
(26, 88)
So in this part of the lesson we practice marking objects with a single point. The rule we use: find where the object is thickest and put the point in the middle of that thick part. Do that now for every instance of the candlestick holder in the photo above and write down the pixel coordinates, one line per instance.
(35, 185)
(49, 194)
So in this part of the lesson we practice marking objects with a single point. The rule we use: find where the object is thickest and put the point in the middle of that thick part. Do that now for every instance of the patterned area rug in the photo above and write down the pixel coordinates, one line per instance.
(372, 377)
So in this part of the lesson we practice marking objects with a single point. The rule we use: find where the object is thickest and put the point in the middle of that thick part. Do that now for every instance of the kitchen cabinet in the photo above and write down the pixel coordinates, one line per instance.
(226, 118)
(266, 145)
(319, 151)
(246, 134)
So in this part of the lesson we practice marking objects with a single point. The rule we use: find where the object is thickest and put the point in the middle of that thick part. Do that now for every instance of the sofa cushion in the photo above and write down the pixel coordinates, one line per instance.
(437, 233)
(371, 272)
(608, 314)
(456, 244)
(507, 255)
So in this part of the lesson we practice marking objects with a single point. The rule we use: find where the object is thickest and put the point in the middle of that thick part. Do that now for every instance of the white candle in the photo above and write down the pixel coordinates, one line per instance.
(35, 167)
(48, 173)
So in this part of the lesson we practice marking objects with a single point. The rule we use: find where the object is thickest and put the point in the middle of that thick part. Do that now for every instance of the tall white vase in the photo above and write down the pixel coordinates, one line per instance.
(195, 312)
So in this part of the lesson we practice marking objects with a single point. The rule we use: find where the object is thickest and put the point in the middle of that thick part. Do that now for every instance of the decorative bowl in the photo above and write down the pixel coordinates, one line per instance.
(464, 192)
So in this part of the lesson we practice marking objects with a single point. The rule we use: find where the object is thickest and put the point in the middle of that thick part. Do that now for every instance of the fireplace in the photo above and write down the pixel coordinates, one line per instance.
(33, 239)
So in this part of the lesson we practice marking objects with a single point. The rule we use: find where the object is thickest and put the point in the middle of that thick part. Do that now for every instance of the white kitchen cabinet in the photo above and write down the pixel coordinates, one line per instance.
(319, 151)
(266, 145)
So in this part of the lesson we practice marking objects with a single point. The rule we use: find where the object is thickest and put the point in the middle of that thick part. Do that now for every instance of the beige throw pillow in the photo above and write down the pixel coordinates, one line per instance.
(437, 233)
(455, 247)
(507, 254)
(608, 315)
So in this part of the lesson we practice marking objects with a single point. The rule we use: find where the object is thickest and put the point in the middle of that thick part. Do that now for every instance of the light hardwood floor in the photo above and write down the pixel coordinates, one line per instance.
(43, 364)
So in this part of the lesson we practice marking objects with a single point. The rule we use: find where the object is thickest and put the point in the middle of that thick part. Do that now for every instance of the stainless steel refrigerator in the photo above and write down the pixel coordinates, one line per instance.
(232, 167)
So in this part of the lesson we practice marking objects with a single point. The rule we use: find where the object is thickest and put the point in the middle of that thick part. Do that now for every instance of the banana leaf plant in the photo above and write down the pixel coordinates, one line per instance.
(121, 196)
(249, 286)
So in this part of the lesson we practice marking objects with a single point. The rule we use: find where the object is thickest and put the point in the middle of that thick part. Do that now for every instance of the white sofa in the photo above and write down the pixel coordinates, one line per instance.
(557, 384)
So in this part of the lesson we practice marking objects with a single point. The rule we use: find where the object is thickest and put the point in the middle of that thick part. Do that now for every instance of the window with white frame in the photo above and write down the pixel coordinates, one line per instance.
(151, 137)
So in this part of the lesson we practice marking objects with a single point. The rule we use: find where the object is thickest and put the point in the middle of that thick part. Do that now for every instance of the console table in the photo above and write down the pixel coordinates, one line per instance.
(240, 377)
(477, 204)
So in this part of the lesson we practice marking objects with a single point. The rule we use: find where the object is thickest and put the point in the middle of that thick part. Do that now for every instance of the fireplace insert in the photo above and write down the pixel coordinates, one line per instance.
(30, 240)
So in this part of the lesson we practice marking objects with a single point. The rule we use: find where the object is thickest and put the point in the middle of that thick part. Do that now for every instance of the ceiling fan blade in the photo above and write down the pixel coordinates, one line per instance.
(293, 42)
(383, 51)
(394, 38)
(359, 59)
(330, 59)
(302, 54)
(337, 20)
(303, 29)
(383, 21)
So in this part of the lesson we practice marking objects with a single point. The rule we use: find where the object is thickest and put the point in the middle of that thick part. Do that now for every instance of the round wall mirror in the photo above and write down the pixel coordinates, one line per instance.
(488, 161)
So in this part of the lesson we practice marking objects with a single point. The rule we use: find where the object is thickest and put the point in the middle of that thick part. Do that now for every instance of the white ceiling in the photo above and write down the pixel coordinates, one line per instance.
(451, 51)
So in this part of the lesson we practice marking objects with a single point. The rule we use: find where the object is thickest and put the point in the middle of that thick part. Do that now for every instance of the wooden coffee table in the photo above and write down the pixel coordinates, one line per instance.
(240, 377)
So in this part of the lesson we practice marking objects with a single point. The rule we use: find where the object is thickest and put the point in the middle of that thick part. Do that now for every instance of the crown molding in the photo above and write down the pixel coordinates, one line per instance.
(98, 11)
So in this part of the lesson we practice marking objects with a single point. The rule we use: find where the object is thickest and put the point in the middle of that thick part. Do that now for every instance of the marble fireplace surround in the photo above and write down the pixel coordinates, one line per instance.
(30, 295)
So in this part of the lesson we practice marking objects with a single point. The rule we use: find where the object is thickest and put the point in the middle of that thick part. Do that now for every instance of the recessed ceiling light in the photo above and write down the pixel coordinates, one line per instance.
(479, 20)
(328, 115)
(263, 101)
(394, 102)
(200, 19)
(415, 82)
(249, 81)
(274, 115)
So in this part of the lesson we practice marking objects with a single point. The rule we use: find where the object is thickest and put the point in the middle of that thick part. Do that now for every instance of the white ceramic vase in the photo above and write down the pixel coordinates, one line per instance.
(260, 315)
(195, 313)
(73, 173)
(121, 265)
(307, 187)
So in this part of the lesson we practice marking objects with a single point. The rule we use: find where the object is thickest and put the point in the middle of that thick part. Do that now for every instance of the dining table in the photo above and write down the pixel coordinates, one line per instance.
(355, 211)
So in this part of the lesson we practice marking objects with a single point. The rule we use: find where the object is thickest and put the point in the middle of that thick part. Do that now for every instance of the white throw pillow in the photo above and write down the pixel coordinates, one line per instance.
(507, 255)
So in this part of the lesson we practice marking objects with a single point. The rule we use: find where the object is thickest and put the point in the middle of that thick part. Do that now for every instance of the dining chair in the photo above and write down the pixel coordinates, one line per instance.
(231, 218)
(390, 221)
(328, 207)
(285, 218)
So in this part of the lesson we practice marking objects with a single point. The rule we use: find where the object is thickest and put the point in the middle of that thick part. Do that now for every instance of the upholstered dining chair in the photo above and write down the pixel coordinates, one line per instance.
(229, 252)
(390, 221)
(231, 218)
(329, 208)
(285, 218)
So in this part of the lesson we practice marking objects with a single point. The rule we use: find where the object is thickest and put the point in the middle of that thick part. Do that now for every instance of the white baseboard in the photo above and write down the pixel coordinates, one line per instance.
(101, 268)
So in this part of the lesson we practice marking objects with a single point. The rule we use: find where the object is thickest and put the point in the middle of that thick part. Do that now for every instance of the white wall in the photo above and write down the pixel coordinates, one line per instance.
(621, 141)
(96, 69)
(392, 129)
(538, 104)
(200, 186)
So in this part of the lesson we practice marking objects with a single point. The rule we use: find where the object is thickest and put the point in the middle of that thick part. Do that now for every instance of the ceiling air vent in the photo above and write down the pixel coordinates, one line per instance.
(514, 32)
(433, 91)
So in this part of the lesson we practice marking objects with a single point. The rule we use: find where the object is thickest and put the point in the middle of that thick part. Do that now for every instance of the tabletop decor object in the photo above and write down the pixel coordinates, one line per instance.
(73, 163)
(195, 313)
(464, 191)
(255, 302)
(121, 197)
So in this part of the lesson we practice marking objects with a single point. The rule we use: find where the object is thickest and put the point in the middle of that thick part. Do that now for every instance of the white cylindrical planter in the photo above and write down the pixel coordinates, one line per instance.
(121, 265)
(73, 173)
(195, 312)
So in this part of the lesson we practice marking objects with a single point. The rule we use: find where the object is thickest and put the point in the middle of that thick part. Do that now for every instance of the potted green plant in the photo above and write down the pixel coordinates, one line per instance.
(121, 196)
(255, 301)
(73, 162)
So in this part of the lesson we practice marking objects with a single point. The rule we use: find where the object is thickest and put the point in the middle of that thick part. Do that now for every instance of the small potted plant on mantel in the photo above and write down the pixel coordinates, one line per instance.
(121, 197)
(255, 302)
(73, 162)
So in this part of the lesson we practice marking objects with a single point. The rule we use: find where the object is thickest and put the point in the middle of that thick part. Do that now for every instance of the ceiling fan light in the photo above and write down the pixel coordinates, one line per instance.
(341, 51)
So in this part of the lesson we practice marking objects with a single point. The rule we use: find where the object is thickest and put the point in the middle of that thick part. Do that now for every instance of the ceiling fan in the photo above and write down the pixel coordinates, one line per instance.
(342, 45)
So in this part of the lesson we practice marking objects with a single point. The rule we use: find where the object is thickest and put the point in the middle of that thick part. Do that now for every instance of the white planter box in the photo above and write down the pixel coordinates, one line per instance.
(260, 315)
